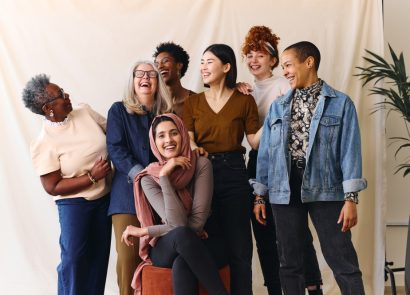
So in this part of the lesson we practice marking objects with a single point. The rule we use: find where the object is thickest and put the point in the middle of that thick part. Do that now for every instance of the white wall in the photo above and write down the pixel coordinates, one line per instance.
(396, 26)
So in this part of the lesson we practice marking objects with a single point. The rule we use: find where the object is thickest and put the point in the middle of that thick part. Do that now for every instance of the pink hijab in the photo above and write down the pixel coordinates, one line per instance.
(179, 179)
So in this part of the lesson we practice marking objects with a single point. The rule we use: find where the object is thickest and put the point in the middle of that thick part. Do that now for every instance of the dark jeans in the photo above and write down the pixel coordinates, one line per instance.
(183, 251)
(265, 237)
(85, 241)
(231, 212)
(291, 232)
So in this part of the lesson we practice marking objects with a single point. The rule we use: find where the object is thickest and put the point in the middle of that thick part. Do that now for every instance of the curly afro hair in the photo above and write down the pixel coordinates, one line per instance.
(34, 93)
(261, 38)
(176, 51)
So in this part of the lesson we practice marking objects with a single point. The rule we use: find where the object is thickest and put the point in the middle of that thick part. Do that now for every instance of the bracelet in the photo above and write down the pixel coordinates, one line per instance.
(259, 201)
(92, 179)
(352, 197)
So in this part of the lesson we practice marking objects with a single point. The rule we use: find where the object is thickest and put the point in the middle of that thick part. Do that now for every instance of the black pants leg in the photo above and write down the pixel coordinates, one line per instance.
(265, 237)
(190, 260)
(292, 232)
(231, 206)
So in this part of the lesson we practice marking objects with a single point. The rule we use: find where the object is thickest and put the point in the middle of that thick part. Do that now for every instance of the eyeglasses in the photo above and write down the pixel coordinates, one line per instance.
(61, 95)
(141, 73)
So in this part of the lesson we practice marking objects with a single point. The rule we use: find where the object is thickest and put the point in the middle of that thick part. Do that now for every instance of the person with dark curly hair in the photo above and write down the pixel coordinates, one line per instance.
(260, 52)
(70, 155)
(172, 62)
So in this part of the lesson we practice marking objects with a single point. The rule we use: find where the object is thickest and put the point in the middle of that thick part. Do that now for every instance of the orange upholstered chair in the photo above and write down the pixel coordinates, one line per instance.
(158, 280)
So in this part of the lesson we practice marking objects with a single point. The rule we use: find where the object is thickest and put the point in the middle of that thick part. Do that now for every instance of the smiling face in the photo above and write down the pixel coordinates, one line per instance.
(168, 139)
(300, 74)
(260, 64)
(145, 85)
(168, 67)
(59, 102)
(213, 71)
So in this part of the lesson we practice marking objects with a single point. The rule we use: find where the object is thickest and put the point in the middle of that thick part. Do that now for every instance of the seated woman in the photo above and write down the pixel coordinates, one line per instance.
(178, 191)
(70, 155)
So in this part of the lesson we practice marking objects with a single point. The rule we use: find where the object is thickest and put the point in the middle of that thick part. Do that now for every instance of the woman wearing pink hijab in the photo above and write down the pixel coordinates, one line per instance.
(173, 200)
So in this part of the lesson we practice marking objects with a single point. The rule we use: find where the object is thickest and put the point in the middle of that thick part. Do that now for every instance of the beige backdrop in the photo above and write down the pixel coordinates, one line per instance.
(87, 48)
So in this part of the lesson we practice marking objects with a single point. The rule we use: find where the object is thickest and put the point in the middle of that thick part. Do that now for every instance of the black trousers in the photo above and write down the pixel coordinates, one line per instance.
(183, 251)
(231, 215)
(292, 232)
(265, 237)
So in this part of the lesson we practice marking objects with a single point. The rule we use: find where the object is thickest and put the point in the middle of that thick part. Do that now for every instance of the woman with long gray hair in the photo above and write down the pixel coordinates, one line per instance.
(128, 145)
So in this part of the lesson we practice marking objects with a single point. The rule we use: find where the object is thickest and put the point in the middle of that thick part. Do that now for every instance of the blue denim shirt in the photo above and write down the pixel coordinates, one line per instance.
(129, 149)
(333, 157)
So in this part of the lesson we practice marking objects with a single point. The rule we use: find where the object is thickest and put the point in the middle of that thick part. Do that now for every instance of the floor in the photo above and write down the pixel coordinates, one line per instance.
(400, 291)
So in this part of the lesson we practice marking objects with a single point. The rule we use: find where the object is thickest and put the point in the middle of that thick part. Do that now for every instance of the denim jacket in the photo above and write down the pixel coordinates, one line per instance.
(129, 150)
(333, 157)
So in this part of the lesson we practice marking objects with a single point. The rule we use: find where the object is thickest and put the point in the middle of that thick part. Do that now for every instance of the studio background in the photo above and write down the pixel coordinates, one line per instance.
(87, 47)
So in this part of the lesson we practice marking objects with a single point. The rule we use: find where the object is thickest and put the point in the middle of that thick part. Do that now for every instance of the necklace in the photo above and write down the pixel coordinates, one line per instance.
(51, 123)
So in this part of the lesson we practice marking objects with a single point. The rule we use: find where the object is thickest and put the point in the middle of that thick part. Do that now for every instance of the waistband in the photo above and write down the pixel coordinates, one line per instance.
(299, 163)
(216, 156)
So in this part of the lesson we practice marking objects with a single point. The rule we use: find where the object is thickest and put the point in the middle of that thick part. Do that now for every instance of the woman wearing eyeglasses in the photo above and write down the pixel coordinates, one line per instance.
(70, 157)
(128, 145)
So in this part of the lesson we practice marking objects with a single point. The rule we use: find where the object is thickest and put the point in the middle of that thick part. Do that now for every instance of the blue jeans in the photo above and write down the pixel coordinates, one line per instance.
(265, 237)
(183, 251)
(231, 208)
(292, 230)
(85, 245)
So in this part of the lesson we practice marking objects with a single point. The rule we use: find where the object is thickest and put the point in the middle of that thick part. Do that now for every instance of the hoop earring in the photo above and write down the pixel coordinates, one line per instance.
(51, 114)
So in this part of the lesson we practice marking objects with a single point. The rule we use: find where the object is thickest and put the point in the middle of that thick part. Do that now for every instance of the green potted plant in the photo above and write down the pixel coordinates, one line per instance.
(396, 99)
(396, 94)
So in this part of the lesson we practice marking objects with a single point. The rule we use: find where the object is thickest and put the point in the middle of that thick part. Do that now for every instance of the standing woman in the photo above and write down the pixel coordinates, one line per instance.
(260, 50)
(217, 121)
(70, 157)
(172, 61)
(128, 124)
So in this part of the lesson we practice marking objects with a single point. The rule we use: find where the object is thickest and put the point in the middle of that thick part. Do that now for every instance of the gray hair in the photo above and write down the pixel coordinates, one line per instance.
(34, 93)
(163, 101)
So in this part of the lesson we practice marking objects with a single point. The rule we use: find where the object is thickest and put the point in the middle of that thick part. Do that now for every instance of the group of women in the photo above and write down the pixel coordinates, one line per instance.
(180, 196)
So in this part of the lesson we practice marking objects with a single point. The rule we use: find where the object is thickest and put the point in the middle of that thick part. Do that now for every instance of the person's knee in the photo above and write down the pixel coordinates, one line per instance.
(183, 233)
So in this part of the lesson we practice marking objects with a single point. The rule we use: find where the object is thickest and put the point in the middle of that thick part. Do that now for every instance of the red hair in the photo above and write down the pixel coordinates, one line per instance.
(261, 38)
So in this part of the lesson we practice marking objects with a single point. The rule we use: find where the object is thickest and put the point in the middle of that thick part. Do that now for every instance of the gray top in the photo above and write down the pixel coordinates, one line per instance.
(164, 200)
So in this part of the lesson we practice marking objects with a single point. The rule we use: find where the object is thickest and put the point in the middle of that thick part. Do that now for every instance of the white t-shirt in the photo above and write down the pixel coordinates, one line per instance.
(266, 91)
(73, 148)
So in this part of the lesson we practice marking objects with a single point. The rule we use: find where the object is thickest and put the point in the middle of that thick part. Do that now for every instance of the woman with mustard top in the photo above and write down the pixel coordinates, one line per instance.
(217, 121)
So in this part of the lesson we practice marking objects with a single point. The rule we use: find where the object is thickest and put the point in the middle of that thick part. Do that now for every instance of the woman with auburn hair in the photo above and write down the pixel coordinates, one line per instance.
(178, 190)
(260, 52)
(217, 121)
(128, 145)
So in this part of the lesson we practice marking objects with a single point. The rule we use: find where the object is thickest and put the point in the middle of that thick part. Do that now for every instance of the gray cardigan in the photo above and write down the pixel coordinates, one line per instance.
(164, 200)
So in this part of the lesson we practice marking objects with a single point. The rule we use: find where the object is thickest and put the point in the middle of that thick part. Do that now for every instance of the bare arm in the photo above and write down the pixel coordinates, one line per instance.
(198, 150)
(54, 184)
(254, 139)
